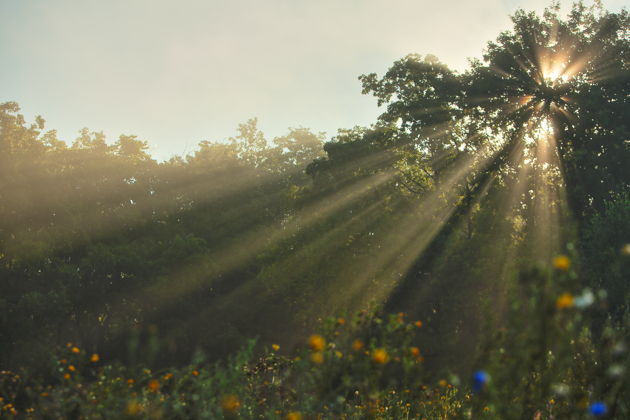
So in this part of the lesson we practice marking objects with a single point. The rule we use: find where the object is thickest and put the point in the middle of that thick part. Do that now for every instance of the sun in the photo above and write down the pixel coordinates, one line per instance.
(554, 71)
(556, 76)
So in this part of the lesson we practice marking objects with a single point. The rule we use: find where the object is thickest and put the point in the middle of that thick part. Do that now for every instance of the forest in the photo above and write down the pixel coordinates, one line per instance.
(465, 256)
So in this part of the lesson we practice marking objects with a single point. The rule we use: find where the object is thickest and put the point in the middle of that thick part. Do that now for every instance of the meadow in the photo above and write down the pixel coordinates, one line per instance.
(464, 257)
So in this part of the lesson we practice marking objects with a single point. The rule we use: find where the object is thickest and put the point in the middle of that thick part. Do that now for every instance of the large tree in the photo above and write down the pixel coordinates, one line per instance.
(569, 76)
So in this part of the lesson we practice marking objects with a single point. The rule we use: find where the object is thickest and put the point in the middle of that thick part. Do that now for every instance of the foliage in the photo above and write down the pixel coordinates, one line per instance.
(464, 181)
(605, 239)
(543, 364)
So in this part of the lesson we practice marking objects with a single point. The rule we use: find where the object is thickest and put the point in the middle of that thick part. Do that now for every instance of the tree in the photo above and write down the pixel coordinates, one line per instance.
(571, 76)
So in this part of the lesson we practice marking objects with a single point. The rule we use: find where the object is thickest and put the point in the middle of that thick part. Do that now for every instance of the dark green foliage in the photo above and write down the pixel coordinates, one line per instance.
(465, 180)
(606, 255)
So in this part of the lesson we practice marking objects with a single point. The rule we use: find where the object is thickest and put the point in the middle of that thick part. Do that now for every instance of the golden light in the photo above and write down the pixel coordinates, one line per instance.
(556, 76)
(554, 71)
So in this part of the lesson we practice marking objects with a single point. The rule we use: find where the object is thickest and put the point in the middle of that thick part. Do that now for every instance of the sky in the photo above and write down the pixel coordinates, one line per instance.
(175, 73)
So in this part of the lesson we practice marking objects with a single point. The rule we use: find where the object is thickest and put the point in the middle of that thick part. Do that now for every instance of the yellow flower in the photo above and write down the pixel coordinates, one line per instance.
(153, 385)
(317, 357)
(561, 262)
(564, 301)
(415, 351)
(71, 368)
(338, 354)
(418, 324)
(66, 376)
(380, 356)
(625, 250)
(341, 321)
(75, 350)
(133, 408)
(168, 376)
(195, 373)
(231, 404)
(95, 358)
(130, 381)
(442, 383)
(275, 347)
(294, 415)
(316, 342)
(357, 344)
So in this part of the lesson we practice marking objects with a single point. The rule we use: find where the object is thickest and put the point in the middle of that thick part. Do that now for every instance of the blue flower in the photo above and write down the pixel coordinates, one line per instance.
(480, 379)
(598, 409)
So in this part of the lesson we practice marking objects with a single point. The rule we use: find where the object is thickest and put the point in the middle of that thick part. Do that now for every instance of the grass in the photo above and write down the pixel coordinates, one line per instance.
(543, 362)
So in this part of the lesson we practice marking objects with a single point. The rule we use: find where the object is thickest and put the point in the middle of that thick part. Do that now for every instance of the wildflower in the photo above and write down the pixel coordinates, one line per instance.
(338, 354)
(380, 356)
(133, 408)
(415, 351)
(130, 382)
(561, 262)
(75, 350)
(316, 342)
(195, 373)
(625, 250)
(153, 385)
(63, 361)
(168, 376)
(357, 344)
(71, 368)
(560, 389)
(275, 347)
(480, 379)
(231, 404)
(317, 357)
(598, 409)
(294, 415)
(585, 300)
(564, 301)
(341, 321)
(418, 324)
(95, 358)
(66, 376)
(442, 383)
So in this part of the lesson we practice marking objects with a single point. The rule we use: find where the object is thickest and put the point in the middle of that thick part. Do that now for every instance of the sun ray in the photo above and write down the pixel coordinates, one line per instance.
(244, 247)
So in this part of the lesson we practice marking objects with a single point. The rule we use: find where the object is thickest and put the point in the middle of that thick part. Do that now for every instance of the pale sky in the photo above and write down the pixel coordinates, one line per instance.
(178, 72)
